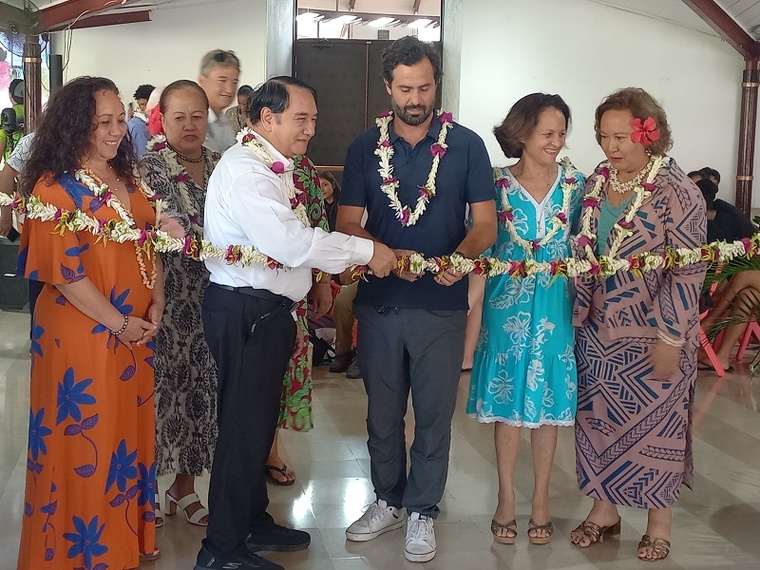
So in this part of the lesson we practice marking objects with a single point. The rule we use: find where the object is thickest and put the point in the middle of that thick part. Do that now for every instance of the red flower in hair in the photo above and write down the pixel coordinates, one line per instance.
(154, 122)
(645, 132)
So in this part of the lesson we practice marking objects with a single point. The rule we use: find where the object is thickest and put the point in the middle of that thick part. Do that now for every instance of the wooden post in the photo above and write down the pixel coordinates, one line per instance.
(32, 82)
(747, 121)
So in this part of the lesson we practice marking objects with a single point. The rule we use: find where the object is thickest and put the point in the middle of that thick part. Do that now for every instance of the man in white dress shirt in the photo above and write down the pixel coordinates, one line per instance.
(247, 316)
(220, 70)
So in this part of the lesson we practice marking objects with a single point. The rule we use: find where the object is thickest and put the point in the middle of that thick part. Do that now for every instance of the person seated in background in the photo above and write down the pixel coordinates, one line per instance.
(711, 174)
(343, 315)
(331, 194)
(236, 116)
(138, 124)
(696, 175)
(724, 221)
(736, 302)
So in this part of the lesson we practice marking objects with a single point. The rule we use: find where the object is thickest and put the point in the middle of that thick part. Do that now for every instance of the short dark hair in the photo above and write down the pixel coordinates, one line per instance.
(179, 85)
(523, 118)
(273, 95)
(709, 191)
(710, 173)
(408, 51)
(244, 90)
(641, 105)
(16, 91)
(143, 91)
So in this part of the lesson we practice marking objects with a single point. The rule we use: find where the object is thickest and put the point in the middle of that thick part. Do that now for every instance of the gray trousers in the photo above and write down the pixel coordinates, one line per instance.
(418, 350)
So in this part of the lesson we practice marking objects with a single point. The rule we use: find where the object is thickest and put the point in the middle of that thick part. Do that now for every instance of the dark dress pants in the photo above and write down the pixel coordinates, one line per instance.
(251, 370)
(417, 350)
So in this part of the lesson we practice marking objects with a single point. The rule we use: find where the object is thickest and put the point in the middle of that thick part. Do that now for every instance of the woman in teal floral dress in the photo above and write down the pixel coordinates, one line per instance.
(524, 372)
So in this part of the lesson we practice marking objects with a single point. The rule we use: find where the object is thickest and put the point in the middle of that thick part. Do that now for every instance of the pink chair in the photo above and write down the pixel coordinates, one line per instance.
(705, 342)
(753, 329)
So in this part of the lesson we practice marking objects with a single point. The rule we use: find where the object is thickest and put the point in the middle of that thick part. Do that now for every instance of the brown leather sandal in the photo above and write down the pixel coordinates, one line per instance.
(596, 533)
(533, 538)
(660, 548)
(510, 527)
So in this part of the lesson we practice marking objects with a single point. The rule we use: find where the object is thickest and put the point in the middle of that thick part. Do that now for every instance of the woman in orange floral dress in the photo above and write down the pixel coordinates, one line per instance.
(90, 478)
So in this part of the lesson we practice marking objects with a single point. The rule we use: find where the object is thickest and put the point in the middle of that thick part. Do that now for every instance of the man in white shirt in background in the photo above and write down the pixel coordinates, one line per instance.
(220, 70)
(247, 318)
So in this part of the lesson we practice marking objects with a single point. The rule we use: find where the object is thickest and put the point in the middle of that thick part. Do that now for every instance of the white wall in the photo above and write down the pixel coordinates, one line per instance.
(171, 46)
(584, 51)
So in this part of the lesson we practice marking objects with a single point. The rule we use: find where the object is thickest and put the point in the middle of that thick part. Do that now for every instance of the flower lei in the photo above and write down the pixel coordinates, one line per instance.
(107, 198)
(248, 138)
(623, 228)
(119, 231)
(390, 184)
(179, 177)
(559, 220)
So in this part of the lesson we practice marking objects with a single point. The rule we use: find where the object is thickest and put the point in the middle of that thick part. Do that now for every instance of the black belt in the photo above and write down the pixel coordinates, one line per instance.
(283, 303)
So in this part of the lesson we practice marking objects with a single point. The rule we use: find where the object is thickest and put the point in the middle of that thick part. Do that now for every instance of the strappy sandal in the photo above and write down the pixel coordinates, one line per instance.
(510, 527)
(660, 548)
(548, 528)
(196, 518)
(282, 471)
(159, 519)
(152, 557)
(596, 533)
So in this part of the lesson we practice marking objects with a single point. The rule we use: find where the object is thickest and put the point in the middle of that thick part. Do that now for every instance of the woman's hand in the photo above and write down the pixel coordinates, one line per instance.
(172, 226)
(138, 332)
(664, 360)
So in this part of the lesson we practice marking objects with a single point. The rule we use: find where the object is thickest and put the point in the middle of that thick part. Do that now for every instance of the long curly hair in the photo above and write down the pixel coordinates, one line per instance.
(63, 135)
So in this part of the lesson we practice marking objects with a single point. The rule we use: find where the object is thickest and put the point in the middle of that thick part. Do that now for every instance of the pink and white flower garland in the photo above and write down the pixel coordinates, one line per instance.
(384, 151)
(610, 263)
(559, 220)
(248, 138)
(180, 177)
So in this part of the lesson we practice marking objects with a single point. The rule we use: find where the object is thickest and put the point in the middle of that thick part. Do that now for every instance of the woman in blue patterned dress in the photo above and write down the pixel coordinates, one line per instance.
(524, 372)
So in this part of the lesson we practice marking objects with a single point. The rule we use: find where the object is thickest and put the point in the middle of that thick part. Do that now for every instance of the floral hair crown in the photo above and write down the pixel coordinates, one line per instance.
(645, 132)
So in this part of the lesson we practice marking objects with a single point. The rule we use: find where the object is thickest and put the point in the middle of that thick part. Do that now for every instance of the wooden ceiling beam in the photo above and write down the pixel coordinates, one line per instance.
(55, 16)
(728, 28)
(100, 20)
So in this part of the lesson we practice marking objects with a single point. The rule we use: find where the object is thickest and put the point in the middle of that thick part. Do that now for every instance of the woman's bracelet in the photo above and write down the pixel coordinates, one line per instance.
(670, 341)
(123, 326)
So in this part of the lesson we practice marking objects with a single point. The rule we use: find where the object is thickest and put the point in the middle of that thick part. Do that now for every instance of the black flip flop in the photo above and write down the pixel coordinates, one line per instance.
(283, 471)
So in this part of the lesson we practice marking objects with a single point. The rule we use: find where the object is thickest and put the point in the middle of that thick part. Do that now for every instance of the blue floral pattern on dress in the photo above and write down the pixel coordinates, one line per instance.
(122, 468)
(86, 541)
(71, 395)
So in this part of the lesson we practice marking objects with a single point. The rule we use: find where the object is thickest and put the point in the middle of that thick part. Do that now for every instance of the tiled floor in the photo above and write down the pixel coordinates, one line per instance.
(716, 526)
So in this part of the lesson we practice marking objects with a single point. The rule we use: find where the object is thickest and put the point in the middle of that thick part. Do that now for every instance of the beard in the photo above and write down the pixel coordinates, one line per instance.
(412, 120)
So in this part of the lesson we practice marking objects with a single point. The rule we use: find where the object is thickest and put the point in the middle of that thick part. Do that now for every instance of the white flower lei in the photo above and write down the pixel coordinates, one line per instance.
(389, 186)
(178, 174)
(249, 139)
(559, 220)
(622, 228)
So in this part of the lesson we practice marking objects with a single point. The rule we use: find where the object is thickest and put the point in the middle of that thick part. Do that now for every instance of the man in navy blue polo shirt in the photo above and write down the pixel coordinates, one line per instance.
(414, 174)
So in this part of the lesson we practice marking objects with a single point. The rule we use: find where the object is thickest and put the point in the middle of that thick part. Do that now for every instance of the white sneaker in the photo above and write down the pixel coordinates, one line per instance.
(420, 538)
(377, 519)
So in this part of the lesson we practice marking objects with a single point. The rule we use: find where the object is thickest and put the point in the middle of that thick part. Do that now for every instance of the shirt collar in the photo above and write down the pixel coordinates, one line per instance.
(275, 154)
(433, 131)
